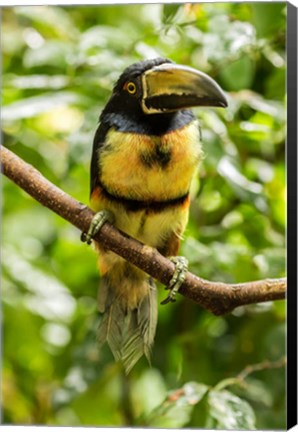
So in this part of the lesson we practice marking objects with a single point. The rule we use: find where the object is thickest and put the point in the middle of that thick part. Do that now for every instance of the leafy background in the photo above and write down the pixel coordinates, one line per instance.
(59, 65)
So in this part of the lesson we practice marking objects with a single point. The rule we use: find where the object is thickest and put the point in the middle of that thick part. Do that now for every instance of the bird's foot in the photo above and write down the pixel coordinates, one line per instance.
(97, 222)
(181, 268)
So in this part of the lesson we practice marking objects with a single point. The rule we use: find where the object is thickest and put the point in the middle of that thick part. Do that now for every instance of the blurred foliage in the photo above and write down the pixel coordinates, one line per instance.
(59, 65)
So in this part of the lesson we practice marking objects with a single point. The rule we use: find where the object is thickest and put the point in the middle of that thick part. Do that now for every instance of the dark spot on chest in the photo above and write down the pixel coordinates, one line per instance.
(156, 157)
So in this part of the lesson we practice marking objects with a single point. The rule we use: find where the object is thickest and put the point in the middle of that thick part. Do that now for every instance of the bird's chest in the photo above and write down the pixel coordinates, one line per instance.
(141, 167)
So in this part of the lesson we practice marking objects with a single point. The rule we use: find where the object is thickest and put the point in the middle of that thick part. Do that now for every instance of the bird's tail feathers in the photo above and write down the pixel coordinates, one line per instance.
(129, 331)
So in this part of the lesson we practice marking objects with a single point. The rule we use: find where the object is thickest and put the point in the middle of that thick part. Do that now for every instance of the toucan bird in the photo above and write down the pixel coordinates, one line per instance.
(146, 152)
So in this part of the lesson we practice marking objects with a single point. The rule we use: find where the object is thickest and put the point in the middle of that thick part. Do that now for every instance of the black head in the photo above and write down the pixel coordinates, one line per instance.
(160, 87)
(128, 91)
(135, 71)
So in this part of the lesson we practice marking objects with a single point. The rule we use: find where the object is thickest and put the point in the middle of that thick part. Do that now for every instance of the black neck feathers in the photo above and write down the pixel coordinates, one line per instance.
(154, 124)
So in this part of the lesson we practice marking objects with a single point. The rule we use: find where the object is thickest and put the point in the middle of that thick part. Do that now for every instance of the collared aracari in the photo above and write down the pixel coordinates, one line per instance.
(146, 152)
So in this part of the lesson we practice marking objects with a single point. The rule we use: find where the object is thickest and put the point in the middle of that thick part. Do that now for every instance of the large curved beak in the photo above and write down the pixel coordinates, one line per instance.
(171, 87)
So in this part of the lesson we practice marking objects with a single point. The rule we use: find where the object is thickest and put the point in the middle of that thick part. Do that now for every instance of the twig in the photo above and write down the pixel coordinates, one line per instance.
(217, 297)
(264, 365)
(240, 378)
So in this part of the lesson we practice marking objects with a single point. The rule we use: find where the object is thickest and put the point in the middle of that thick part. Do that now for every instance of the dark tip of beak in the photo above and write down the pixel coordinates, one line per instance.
(223, 103)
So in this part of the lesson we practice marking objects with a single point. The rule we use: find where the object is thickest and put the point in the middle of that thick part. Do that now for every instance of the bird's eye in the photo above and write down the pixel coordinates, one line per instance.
(131, 87)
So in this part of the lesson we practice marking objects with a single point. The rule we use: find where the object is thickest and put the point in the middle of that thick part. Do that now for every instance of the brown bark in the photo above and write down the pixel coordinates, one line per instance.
(217, 297)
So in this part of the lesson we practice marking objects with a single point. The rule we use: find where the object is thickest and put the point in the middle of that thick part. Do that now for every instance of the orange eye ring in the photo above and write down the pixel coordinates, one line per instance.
(131, 87)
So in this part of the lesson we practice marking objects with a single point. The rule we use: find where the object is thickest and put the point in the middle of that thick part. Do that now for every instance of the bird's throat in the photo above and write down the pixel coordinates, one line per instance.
(155, 124)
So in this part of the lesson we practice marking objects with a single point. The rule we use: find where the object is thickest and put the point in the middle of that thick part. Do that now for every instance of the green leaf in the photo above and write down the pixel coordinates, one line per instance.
(35, 105)
(52, 54)
(256, 391)
(238, 74)
(176, 410)
(226, 38)
(168, 12)
(40, 81)
(148, 392)
(230, 412)
(98, 404)
(103, 37)
(54, 20)
(268, 17)
(242, 186)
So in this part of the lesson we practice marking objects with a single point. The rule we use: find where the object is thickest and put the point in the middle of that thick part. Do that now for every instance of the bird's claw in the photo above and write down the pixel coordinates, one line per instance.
(97, 222)
(181, 267)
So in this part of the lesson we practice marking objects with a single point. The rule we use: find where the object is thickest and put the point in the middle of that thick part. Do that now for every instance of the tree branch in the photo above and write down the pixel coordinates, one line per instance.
(217, 297)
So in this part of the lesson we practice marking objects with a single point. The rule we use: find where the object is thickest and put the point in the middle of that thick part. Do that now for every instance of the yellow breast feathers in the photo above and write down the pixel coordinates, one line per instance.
(141, 167)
